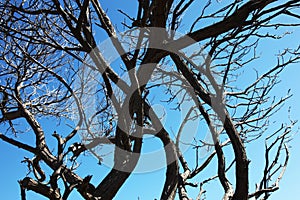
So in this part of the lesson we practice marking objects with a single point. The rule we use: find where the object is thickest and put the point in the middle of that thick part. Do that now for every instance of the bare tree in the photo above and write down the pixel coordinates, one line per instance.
(53, 68)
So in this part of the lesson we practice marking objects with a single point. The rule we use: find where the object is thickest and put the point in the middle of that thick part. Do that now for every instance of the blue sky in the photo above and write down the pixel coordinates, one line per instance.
(149, 185)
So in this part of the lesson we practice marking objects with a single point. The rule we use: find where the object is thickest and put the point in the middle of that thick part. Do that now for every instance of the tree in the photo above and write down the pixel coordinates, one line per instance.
(53, 69)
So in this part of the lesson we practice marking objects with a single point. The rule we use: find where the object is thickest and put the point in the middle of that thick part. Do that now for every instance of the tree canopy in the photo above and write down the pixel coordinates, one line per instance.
(178, 72)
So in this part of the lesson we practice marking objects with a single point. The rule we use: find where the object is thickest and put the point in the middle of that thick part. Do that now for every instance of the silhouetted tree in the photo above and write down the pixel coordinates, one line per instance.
(52, 69)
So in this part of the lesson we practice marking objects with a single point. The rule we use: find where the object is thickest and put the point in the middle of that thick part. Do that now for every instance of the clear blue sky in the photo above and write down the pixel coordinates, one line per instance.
(149, 185)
